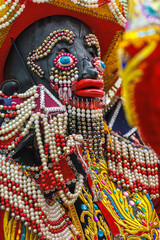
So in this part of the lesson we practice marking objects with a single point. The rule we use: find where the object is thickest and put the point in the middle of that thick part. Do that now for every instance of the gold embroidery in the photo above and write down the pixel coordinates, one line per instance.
(146, 221)
(75, 219)
(92, 217)
(111, 62)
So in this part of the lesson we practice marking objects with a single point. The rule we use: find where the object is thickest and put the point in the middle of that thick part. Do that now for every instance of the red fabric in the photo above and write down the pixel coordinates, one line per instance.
(147, 103)
(1, 225)
(103, 29)
(110, 220)
(147, 100)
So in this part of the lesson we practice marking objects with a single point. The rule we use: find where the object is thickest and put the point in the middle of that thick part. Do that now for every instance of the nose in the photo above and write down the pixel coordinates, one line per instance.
(88, 70)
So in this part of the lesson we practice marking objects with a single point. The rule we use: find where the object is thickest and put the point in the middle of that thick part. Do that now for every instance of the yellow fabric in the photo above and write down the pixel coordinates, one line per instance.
(9, 227)
(131, 75)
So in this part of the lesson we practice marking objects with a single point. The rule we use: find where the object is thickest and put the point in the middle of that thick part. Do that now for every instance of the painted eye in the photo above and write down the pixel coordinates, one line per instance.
(100, 65)
(65, 61)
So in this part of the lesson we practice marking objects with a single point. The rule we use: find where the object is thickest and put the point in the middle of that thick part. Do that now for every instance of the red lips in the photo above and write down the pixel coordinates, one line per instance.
(89, 88)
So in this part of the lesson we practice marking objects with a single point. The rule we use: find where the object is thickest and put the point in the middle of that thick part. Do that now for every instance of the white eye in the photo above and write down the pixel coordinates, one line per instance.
(100, 65)
(65, 61)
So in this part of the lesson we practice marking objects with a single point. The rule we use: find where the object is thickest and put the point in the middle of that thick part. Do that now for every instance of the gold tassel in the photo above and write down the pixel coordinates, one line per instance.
(9, 227)
(27, 234)
(5, 225)
(107, 130)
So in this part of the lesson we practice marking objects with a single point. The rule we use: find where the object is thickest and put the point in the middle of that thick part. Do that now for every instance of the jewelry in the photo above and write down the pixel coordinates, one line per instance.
(54, 128)
(100, 66)
(91, 39)
(63, 75)
(134, 167)
(17, 11)
(117, 13)
(12, 8)
(20, 196)
(45, 49)
(112, 95)
(85, 117)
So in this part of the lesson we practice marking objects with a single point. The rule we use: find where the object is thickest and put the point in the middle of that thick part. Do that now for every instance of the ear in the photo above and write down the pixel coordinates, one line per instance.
(10, 87)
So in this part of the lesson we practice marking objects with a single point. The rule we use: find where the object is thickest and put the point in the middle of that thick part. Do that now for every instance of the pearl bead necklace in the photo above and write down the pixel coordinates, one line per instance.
(54, 129)
(20, 196)
(5, 4)
(13, 8)
(124, 4)
(111, 96)
(87, 119)
(2, 19)
(117, 13)
(112, 6)
(12, 19)
(86, 3)
(19, 192)
(132, 167)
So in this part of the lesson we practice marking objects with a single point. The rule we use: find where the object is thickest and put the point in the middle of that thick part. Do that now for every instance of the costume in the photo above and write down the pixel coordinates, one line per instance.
(65, 174)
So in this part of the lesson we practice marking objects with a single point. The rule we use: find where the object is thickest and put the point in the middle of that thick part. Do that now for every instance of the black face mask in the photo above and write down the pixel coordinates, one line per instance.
(20, 77)
(32, 38)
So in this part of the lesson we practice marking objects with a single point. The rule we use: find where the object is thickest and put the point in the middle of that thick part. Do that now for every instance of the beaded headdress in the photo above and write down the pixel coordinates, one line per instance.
(106, 19)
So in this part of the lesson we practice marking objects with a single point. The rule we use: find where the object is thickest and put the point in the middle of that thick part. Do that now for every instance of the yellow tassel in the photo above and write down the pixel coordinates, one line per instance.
(107, 130)
(27, 234)
(5, 225)
(31, 235)
(12, 226)
(9, 227)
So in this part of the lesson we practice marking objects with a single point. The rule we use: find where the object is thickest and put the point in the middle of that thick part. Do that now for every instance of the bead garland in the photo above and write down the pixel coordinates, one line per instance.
(21, 197)
(117, 13)
(85, 117)
(89, 3)
(45, 49)
(5, 4)
(62, 76)
(2, 19)
(124, 4)
(14, 11)
(134, 167)
(13, 7)
(90, 40)
(55, 144)
(111, 96)
(112, 6)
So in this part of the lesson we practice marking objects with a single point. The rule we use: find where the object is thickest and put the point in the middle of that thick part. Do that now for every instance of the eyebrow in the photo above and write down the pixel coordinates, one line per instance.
(46, 47)
(92, 40)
